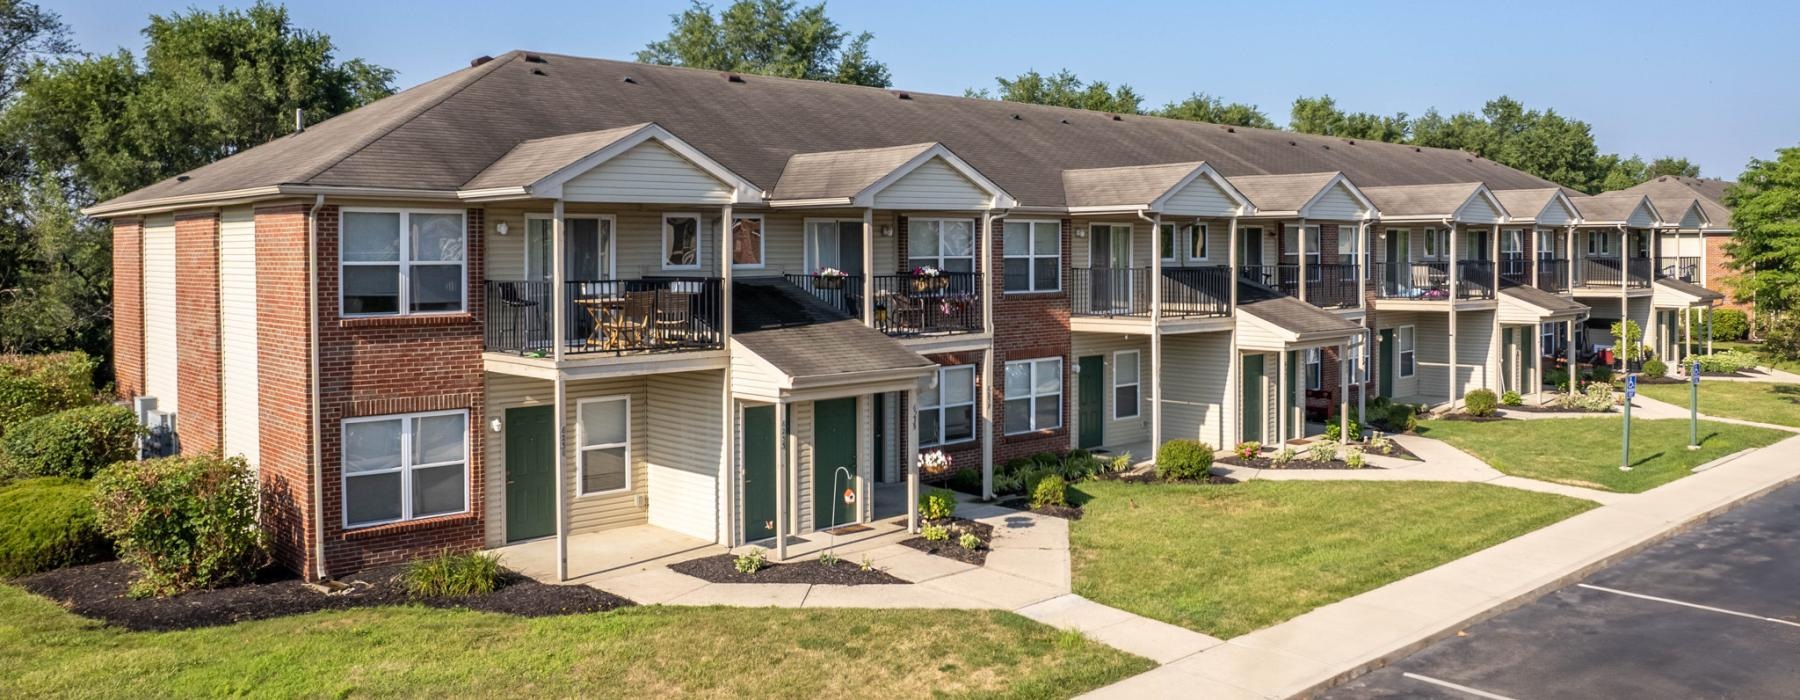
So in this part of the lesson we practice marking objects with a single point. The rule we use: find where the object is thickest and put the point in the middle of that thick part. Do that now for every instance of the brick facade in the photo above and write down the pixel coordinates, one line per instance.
(197, 344)
(1717, 272)
(128, 307)
(1029, 326)
(283, 381)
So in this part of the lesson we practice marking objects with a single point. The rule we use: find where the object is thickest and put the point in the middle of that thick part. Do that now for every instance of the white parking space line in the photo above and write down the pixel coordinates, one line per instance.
(1695, 606)
(1453, 686)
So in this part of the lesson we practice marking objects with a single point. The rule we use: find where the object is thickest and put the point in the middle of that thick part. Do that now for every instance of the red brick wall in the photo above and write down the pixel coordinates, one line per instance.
(197, 344)
(1029, 326)
(283, 381)
(128, 307)
(1717, 272)
(963, 455)
(386, 365)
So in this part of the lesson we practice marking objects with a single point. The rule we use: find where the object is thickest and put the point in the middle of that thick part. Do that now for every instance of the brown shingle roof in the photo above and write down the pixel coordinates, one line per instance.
(1127, 185)
(834, 174)
(1271, 193)
(1610, 207)
(806, 338)
(1526, 203)
(536, 159)
(442, 134)
(1421, 200)
(1668, 192)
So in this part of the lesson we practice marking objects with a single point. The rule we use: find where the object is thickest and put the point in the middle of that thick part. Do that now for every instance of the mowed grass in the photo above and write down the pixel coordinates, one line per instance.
(1762, 402)
(1752, 348)
(1585, 451)
(1230, 559)
(635, 652)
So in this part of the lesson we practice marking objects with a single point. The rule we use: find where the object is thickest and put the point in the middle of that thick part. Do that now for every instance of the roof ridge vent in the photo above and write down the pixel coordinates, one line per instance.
(1117, 118)
(1416, 149)
(902, 94)
(1293, 143)
(732, 77)
(1016, 117)
(1065, 121)
(1350, 141)
(538, 71)
(628, 79)
(534, 58)
(478, 60)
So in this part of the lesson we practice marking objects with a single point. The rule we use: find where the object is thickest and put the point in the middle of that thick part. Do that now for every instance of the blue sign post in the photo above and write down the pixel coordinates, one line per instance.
(1625, 450)
(1694, 407)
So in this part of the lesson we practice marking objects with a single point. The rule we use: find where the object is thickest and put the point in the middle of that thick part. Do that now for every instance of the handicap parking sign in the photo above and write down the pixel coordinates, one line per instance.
(1630, 387)
(1694, 373)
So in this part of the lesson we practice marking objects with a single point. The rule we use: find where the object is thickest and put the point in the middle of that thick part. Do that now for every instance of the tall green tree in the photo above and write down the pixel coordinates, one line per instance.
(1064, 89)
(1320, 115)
(768, 37)
(1201, 107)
(1765, 251)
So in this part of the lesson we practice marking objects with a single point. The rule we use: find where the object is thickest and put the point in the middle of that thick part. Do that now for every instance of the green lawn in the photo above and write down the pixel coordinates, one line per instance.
(1585, 451)
(637, 652)
(1226, 560)
(1752, 348)
(1763, 402)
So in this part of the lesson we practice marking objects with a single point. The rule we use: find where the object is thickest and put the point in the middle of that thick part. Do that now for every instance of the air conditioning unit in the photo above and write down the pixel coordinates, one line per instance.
(159, 435)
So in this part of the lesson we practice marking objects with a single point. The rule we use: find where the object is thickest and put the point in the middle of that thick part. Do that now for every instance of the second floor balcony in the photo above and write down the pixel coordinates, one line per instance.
(1613, 272)
(1429, 280)
(1124, 292)
(1330, 286)
(906, 305)
(1685, 268)
(605, 317)
(1553, 274)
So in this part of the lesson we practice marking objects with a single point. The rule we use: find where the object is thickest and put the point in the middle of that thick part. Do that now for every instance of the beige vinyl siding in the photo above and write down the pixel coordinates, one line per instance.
(685, 437)
(1201, 197)
(1337, 205)
(751, 377)
(1254, 334)
(1402, 386)
(237, 333)
(160, 328)
(648, 173)
(637, 241)
(1686, 245)
(1114, 431)
(1555, 214)
(933, 185)
(586, 514)
(1479, 210)
(1195, 387)
(784, 246)
(802, 430)
(1641, 217)
(1475, 370)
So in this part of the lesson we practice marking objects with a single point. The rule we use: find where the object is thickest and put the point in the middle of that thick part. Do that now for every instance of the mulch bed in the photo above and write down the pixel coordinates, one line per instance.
(98, 591)
(1299, 463)
(1550, 409)
(1024, 504)
(950, 549)
(1149, 477)
(722, 568)
(1470, 419)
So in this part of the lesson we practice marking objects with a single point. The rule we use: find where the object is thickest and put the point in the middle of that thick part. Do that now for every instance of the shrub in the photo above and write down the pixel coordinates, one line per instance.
(967, 481)
(1353, 457)
(1322, 451)
(1727, 324)
(1480, 402)
(1512, 398)
(1782, 342)
(1601, 373)
(185, 522)
(828, 558)
(1247, 450)
(935, 533)
(1595, 397)
(749, 562)
(453, 574)
(1335, 432)
(1628, 338)
(1184, 459)
(969, 541)
(33, 385)
(1282, 458)
(937, 504)
(75, 442)
(1381, 444)
(1723, 362)
(1120, 463)
(1051, 490)
(48, 524)
(1557, 378)
(1656, 368)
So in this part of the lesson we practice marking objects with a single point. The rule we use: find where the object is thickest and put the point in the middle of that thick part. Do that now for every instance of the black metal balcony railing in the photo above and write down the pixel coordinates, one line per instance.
(1332, 286)
(1430, 280)
(1612, 272)
(1281, 278)
(1553, 274)
(842, 292)
(1192, 292)
(1187, 292)
(1515, 268)
(662, 314)
(908, 305)
(1686, 269)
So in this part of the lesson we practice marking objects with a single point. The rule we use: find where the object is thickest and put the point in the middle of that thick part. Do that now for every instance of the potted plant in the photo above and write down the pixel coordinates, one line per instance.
(829, 278)
(928, 278)
(933, 463)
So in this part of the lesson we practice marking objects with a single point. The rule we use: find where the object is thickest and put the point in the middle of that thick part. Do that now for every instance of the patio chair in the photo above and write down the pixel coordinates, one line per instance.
(905, 313)
(629, 328)
(674, 317)
(517, 305)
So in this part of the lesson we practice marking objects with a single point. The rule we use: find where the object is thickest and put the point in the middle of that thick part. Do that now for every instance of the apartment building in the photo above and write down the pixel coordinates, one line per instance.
(547, 296)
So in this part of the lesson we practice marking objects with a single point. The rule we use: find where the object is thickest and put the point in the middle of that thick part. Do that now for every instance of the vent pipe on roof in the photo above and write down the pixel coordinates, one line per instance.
(534, 58)
(1117, 118)
(1017, 117)
(733, 77)
(478, 60)
(629, 79)
(903, 95)
(299, 120)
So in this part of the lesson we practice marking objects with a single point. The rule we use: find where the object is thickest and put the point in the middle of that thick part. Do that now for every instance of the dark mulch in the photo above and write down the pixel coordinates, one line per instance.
(1662, 380)
(1300, 462)
(98, 591)
(1148, 477)
(950, 549)
(1024, 504)
(1468, 418)
(722, 568)
(1549, 409)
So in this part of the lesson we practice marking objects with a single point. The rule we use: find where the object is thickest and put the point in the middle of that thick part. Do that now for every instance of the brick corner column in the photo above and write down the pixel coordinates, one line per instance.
(197, 322)
(128, 307)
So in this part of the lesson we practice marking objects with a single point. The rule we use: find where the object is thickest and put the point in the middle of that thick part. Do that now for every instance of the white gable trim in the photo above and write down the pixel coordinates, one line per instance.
(551, 186)
(1369, 212)
(1469, 212)
(1698, 221)
(1560, 200)
(1244, 207)
(1644, 215)
(1000, 199)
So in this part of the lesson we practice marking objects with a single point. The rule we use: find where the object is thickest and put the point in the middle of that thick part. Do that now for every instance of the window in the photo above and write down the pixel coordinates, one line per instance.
(405, 467)
(947, 409)
(1197, 243)
(1346, 245)
(1475, 245)
(1512, 241)
(834, 243)
(747, 241)
(1315, 369)
(946, 244)
(587, 248)
(1547, 335)
(1640, 242)
(1546, 244)
(1034, 395)
(681, 242)
(1125, 384)
(1361, 357)
(1437, 244)
(1165, 242)
(603, 432)
(1599, 243)
(399, 262)
(1190, 245)
(1033, 256)
(1407, 357)
(1290, 245)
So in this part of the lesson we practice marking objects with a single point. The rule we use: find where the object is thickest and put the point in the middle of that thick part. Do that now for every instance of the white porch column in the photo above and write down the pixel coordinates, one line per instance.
(727, 485)
(990, 243)
(1687, 336)
(1569, 350)
(559, 325)
(986, 424)
(1624, 294)
(911, 463)
(1344, 393)
(1229, 424)
(781, 480)
(1569, 237)
(868, 266)
(1455, 291)
(1537, 362)
(1494, 348)
(1283, 397)
(1363, 257)
(1709, 327)
(1301, 259)
(1156, 305)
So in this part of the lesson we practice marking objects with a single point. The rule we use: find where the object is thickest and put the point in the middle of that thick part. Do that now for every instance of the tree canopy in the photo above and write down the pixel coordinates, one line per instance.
(1064, 89)
(1765, 252)
(1320, 115)
(1201, 107)
(768, 37)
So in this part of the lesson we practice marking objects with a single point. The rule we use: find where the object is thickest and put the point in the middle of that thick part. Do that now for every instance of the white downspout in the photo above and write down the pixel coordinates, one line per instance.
(1455, 289)
(312, 334)
(1233, 424)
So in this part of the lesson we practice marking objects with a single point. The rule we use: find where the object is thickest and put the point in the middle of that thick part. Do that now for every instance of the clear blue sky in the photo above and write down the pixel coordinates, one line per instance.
(1712, 81)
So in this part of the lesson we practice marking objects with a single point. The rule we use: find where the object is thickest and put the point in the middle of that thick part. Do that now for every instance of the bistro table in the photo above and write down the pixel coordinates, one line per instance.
(600, 310)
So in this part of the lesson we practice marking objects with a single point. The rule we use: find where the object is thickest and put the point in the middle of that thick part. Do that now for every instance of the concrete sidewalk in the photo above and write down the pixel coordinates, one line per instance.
(1342, 640)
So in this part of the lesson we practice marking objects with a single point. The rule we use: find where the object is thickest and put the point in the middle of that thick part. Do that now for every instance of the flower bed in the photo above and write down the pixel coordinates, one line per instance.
(1299, 463)
(951, 548)
(722, 568)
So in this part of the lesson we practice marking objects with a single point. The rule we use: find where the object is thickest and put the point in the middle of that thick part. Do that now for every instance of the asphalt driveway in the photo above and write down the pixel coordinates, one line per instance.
(1711, 613)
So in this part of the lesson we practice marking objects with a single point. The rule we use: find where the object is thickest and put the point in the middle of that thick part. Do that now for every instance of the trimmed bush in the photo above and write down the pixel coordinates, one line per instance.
(33, 385)
(453, 574)
(185, 522)
(1656, 368)
(967, 481)
(1723, 362)
(48, 524)
(1480, 402)
(75, 443)
(937, 504)
(1051, 490)
(1335, 432)
(1727, 324)
(1782, 342)
(1601, 373)
(1184, 459)
(1512, 398)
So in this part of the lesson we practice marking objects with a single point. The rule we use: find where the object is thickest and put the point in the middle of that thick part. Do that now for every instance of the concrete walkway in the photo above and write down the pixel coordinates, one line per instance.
(1349, 637)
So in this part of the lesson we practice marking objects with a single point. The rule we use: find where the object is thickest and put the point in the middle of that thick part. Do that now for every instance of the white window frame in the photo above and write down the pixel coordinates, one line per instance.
(1546, 244)
(581, 446)
(1173, 254)
(1136, 383)
(1512, 241)
(975, 241)
(1201, 232)
(1437, 244)
(405, 469)
(1604, 249)
(1031, 257)
(404, 261)
(1315, 369)
(1115, 230)
(612, 242)
(1346, 238)
(1546, 338)
(1406, 342)
(941, 407)
(1313, 243)
(668, 238)
(1033, 397)
(762, 242)
(1475, 243)
(809, 254)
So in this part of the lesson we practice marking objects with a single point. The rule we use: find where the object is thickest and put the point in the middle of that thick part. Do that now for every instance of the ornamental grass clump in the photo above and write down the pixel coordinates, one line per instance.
(184, 522)
(453, 574)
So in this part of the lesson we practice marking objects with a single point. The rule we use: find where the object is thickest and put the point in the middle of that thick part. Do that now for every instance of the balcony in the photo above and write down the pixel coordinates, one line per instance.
(1327, 286)
(1612, 272)
(1429, 280)
(1515, 268)
(906, 306)
(1686, 269)
(616, 317)
(1553, 274)
(1187, 292)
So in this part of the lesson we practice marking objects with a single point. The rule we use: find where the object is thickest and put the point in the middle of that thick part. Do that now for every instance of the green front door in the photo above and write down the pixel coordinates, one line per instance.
(759, 473)
(530, 473)
(1507, 381)
(1253, 405)
(1091, 413)
(1386, 347)
(834, 461)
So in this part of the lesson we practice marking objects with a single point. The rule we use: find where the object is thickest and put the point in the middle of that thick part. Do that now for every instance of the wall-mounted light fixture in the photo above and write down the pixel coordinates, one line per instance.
(500, 228)
(887, 230)
(495, 425)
